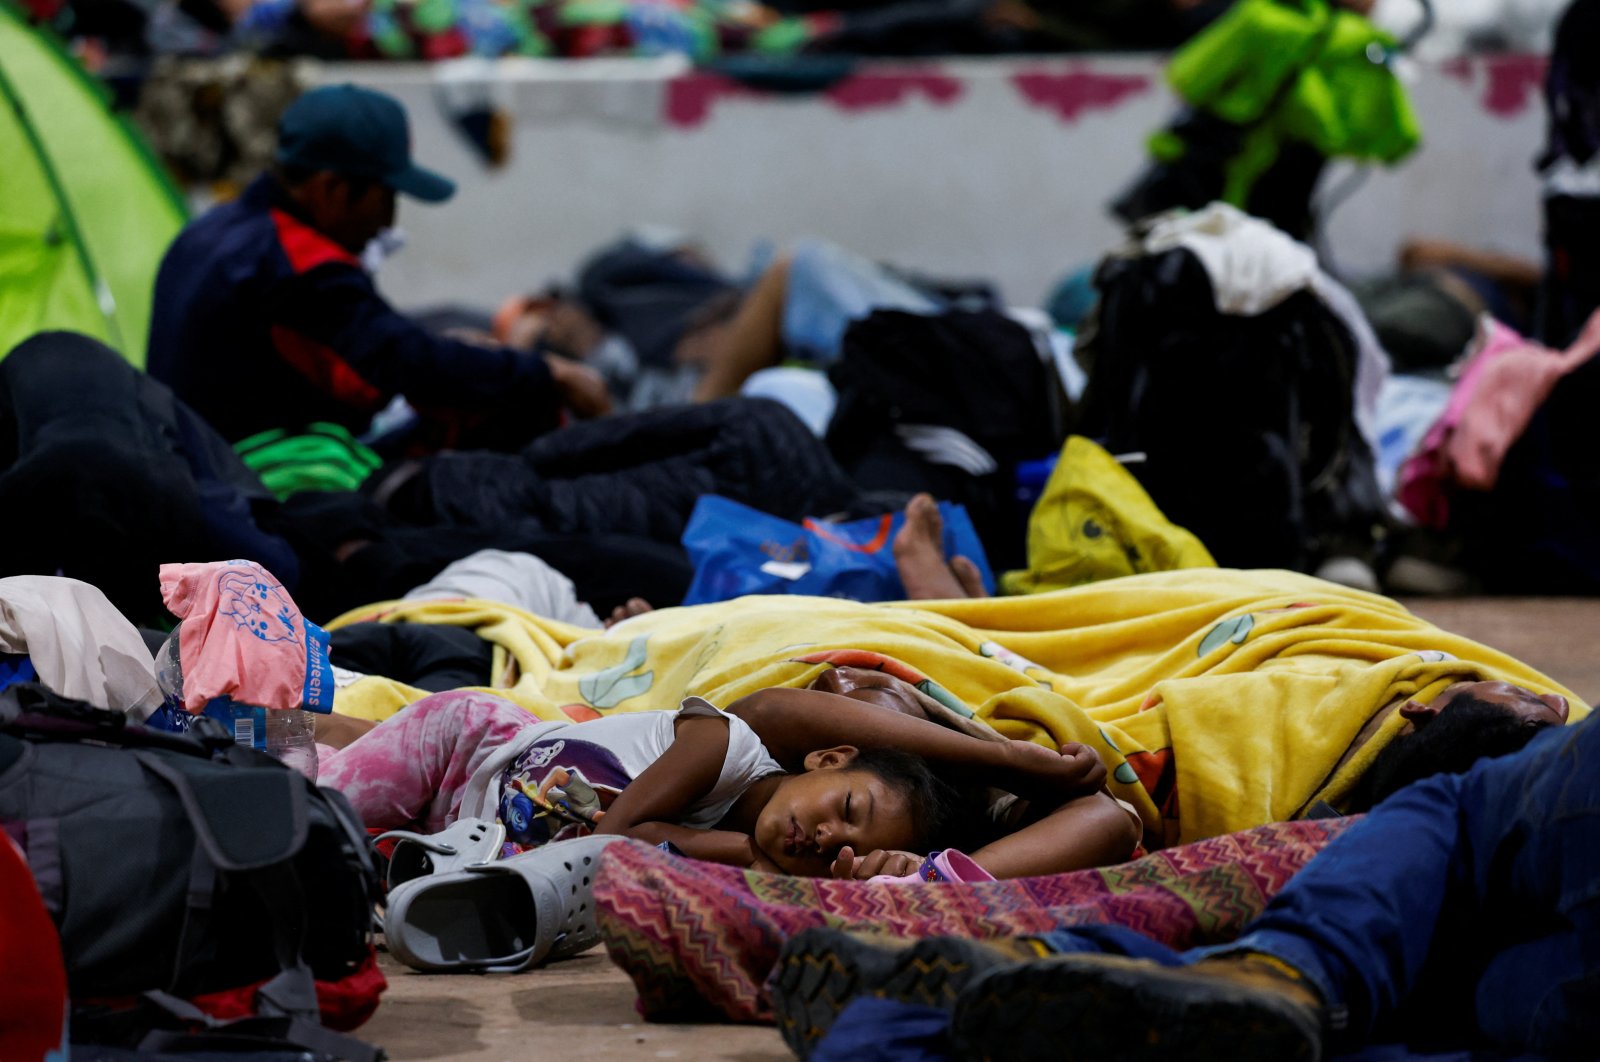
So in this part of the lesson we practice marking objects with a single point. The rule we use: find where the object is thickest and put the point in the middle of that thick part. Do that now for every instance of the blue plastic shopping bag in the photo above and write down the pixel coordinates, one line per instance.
(739, 550)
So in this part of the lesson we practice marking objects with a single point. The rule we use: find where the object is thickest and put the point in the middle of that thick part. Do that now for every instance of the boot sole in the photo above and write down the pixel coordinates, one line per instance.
(820, 971)
(1075, 1008)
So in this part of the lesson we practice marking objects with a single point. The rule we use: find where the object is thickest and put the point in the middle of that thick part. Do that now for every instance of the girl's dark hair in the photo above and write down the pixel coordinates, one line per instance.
(931, 803)
(1464, 733)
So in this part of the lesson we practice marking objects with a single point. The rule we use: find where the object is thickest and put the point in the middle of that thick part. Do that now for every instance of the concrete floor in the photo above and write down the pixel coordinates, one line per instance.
(583, 1008)
(579, 1009)
(1559, 636)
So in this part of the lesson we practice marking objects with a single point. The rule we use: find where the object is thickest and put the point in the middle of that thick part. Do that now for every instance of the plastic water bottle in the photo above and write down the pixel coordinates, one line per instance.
(291, 737)
(286, 733)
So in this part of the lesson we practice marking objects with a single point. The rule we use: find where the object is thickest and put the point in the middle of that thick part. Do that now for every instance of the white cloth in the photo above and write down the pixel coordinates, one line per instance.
(939, 444)
(636, 739)
(806, 392)
(80, 645)
(1372, 361)
(1254, 266)
(1565, 177)
(518, 579)
(1406, 410)
(1055, 346)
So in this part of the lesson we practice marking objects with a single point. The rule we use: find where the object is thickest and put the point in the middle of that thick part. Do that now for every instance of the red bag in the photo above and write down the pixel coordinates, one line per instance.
(33, 980)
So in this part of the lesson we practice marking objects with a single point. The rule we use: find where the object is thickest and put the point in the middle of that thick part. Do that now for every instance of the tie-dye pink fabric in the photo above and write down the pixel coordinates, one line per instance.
(412, 769)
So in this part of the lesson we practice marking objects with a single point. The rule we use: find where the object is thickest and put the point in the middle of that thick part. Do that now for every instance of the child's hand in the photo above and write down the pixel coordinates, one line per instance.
(884, 861)
(1040, 774)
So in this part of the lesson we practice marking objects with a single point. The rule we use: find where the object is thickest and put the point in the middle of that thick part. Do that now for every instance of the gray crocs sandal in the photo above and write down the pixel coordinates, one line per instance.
(503, 916)
(465, 843)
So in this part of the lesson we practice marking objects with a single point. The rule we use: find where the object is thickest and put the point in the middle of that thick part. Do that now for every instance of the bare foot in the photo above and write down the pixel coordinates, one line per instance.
(919, 557)
(634, 606)
(968, 575)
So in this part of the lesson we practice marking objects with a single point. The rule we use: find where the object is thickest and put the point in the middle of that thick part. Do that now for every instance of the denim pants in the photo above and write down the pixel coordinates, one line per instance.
(1483, 886)
(829, 287)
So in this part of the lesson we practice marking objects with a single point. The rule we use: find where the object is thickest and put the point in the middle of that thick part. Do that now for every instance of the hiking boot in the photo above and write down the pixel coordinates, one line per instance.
(821, 970)
(1243, 1008)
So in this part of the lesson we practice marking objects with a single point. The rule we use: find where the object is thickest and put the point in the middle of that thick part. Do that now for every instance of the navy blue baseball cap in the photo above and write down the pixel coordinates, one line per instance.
(358, 132)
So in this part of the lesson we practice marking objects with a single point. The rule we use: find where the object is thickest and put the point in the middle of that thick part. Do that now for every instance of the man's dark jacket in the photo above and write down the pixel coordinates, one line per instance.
(261, 321)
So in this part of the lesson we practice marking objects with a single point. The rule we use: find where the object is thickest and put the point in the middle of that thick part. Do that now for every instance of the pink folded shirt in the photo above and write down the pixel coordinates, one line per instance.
(242, 637)
(1505, 381)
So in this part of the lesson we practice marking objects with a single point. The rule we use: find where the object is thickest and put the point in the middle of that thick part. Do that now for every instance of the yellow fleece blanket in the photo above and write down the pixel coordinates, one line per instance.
(1219, 699)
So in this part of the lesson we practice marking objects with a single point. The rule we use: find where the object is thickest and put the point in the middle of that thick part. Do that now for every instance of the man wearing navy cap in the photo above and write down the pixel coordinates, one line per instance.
(265, 317)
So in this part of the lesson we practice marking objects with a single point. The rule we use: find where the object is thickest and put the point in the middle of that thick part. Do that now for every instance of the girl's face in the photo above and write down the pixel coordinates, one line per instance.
(811, 816)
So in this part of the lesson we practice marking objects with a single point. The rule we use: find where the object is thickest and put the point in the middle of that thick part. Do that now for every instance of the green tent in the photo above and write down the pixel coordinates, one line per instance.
(85, 210)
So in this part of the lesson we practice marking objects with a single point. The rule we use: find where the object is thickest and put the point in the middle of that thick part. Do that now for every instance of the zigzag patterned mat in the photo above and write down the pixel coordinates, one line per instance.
(699, 939)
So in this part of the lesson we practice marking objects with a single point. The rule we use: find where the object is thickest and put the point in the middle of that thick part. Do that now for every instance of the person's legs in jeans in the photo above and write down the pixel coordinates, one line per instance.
(1486, 882)
(828, 288)
(1511, 849)
(1359, 919)
(412, 768)
(802, 303)
(1534, 822)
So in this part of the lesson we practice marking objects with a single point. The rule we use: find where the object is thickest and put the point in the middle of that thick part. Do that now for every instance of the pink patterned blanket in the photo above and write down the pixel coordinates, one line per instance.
(699, 939)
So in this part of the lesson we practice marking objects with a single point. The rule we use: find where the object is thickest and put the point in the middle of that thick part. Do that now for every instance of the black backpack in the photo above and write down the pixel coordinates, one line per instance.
(183, 866)
(976, 372)
(1247, 423)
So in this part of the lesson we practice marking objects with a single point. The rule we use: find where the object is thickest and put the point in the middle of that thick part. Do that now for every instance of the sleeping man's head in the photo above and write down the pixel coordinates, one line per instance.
(1467, 722)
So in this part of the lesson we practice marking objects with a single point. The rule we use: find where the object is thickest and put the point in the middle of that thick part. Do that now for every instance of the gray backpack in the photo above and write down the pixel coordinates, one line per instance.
(188, 874)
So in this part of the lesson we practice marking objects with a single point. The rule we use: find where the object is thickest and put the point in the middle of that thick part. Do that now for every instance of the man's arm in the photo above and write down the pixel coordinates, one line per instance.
(729, 847)
(1091, 831)
(793, 722)
(333, 328)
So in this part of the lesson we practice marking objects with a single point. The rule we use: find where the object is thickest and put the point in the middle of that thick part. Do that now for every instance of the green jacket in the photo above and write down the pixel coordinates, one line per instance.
(1340, 101)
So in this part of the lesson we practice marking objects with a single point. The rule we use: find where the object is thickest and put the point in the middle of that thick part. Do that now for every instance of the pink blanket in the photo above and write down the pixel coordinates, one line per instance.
(699, 939)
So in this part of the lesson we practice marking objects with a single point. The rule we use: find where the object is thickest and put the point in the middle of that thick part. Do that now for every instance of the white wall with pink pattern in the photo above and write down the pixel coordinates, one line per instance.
(972, 168)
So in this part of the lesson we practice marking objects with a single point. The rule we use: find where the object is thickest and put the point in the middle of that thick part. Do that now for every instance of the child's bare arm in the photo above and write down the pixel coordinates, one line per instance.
(648, 807)
(714, 846)
(792, 722)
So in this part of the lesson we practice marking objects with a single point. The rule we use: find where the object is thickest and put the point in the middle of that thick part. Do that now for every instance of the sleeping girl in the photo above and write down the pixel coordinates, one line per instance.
(696, 779)
(816, 782)
(834, 780)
